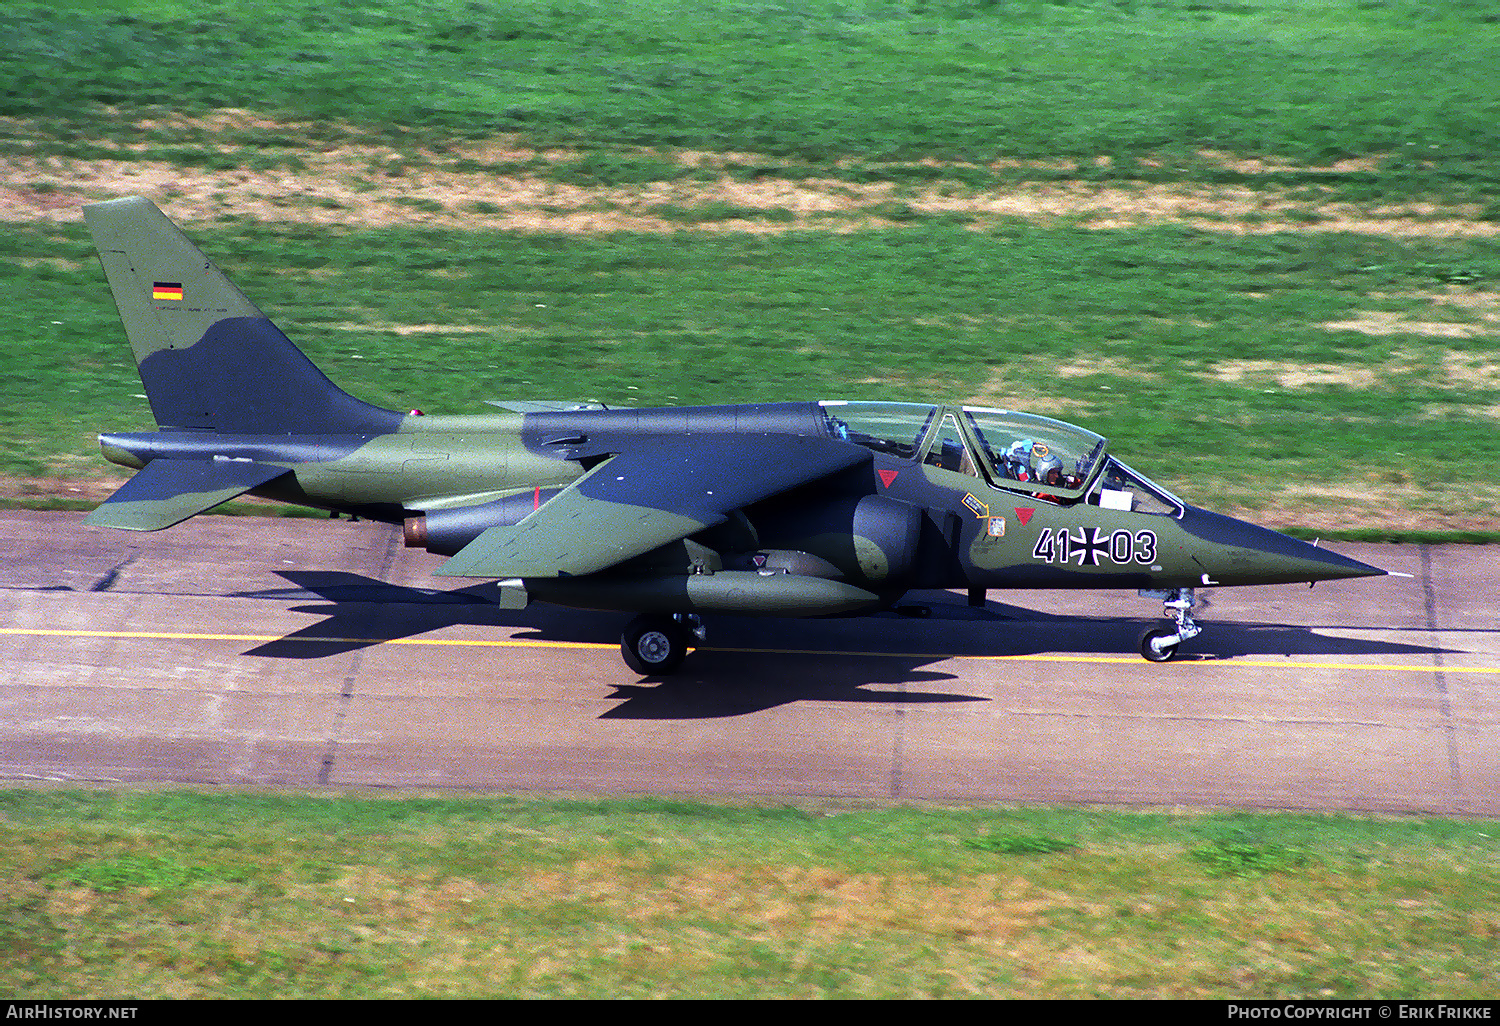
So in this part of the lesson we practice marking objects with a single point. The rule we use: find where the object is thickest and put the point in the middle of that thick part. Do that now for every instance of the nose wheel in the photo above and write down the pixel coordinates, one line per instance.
(1160, 643)
(654, 645)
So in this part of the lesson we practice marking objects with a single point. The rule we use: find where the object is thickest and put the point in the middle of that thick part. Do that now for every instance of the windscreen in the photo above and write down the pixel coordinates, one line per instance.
(1122, 488)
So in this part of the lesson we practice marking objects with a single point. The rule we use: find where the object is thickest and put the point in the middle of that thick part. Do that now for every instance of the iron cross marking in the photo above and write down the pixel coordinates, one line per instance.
(1087, 546)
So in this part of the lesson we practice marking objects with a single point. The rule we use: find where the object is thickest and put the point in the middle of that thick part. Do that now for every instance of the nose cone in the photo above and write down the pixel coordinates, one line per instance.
(1234, 552)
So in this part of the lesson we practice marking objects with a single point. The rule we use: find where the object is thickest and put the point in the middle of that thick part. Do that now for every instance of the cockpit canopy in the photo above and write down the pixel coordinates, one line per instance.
(1023, 452)
(894, 428)
(1024, 449)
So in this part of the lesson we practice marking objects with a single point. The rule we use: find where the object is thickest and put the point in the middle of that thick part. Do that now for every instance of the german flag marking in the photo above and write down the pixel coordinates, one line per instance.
(166, 290)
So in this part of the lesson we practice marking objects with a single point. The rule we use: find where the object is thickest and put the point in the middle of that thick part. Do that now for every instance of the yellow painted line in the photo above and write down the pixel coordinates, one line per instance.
(1189, 660)
(44, 632)
(1273, 664)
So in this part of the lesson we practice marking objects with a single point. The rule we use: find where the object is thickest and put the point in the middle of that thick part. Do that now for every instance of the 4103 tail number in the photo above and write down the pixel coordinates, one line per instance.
(1089, 546)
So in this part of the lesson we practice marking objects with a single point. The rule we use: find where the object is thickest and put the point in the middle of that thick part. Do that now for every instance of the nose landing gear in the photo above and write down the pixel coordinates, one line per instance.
(1160, 643)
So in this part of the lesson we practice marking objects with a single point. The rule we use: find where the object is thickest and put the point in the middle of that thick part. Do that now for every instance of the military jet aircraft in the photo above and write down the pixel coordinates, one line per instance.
(827, 508)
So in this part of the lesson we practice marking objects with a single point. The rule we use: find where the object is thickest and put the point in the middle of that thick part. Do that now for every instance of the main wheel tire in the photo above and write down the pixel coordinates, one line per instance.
(1154, 653)
(653, 646)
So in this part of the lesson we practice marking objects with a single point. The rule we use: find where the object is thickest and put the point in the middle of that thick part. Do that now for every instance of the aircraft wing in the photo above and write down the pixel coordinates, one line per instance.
(167, 492)
(655, 493)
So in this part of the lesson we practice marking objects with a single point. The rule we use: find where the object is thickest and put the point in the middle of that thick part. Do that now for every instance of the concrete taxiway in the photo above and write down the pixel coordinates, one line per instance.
(291, 652)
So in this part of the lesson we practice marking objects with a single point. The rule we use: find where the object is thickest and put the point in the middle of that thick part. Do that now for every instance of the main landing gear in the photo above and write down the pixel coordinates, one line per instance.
(654, 644)
(1160, 643)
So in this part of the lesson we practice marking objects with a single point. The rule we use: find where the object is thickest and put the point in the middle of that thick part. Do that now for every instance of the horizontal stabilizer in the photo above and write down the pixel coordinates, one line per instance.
(167, 492)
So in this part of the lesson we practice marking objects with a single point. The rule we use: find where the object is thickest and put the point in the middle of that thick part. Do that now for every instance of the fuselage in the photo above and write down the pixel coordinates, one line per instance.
(949, 496)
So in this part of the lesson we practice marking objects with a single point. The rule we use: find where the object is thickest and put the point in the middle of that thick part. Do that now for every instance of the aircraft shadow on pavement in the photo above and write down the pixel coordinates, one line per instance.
(752, 663)
(715, 683)
(362, 611)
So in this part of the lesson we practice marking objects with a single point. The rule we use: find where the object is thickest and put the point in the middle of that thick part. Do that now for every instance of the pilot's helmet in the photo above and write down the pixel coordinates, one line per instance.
(1049, 470)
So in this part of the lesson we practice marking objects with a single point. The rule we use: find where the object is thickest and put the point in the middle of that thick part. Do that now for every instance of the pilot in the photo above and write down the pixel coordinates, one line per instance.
(1049, 471)
(1018, 460)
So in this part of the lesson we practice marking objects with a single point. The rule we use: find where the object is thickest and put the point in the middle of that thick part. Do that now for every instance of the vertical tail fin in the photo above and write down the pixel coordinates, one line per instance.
(207, 356)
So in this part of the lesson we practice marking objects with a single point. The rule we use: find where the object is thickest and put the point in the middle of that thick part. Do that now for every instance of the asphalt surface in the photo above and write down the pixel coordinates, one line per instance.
(286, 652)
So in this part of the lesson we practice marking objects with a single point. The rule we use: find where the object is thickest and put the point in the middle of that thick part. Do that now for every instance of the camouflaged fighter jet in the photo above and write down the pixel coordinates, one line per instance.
(781, 509)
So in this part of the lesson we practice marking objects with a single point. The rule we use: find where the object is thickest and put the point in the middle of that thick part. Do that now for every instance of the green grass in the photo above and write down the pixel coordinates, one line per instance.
(1172, 342)
(206, 895)
(819, 79)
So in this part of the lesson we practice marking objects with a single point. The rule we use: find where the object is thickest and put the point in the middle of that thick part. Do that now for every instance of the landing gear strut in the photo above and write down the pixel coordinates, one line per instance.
(653, 644)
(1160, 643)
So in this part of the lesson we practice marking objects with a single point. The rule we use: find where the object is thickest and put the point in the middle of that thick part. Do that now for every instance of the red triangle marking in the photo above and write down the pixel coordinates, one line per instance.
(887, 476)
(1023, 514)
